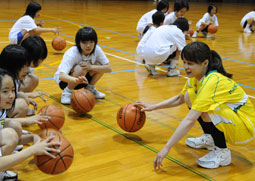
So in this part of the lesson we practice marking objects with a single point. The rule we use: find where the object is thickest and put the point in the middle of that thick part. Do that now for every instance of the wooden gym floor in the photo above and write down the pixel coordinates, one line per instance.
(102, 150)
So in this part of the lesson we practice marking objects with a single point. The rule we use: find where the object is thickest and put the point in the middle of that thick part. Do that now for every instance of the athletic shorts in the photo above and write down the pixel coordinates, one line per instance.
(63, 84)
(236, 127)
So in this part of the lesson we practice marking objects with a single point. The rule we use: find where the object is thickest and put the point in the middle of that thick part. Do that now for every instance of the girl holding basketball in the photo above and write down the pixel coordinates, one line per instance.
(208, 19)
(221, 106)
(26, 26)
(82, 65)
(9, 137)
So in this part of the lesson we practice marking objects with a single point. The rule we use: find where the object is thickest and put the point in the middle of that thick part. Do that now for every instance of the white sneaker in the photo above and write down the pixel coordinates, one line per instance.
(66, 97)
(151, 69)
(204, 33)
(195, 34)
(208, 36)
(247, 30)
(214, 159)
(204, 141)
(172, 72)
(8, 175)
(97, 94)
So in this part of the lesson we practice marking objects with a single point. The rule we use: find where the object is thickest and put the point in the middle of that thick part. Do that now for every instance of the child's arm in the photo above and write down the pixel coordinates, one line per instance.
(41, 148)
(97, 68)
(36, 119)
(40, 30)
(73, 80)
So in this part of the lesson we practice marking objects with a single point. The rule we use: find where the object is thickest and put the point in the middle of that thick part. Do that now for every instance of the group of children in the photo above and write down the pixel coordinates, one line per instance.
(220, 105)
(82, 66)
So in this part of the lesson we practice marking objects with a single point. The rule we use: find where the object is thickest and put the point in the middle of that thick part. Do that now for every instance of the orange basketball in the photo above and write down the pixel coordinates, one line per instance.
(58, 43)
(130, 117)
(57, 117)
(212, 28)
(62, 161)
(83, 101)
(190, 32)
(49, 132)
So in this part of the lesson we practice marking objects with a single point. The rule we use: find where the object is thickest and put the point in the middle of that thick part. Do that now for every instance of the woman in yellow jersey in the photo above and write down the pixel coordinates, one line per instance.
(221, 106)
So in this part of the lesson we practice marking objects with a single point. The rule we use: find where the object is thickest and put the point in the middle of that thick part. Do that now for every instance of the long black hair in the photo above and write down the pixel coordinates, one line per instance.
(13, 58)
(85, 34)
(36, 48)
(32, 8)
(211, 6)
(3, 73)
(198, 52)
(179, 4)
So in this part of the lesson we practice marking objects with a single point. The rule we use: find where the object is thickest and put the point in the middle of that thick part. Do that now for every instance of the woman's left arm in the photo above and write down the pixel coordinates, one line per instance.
(179, 133)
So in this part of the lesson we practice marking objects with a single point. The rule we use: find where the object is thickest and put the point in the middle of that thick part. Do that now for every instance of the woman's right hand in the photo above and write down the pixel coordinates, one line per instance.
(146, 107)
(44, 147)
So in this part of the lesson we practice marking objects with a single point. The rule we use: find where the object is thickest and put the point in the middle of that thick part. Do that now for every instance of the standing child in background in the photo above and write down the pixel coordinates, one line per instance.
(165, 43)
(145, 22)
(180, 8)
(222, 107)
(25, 26)
(248, 21)
(82, 65)
(208, 19)
(10, 137)
(157, 19)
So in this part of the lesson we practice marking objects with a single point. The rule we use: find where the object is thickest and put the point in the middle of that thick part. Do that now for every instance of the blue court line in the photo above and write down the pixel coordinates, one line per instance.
(37, 20)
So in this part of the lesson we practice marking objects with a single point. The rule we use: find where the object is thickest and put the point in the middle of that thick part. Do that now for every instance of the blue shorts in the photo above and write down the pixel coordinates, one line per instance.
(19, 37)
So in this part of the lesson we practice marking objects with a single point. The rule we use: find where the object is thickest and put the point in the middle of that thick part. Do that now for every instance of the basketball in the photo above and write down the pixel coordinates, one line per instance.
(57, 117)
(62, 161)
(49, 132)
(190, 32)
(58, 43)
(212, 28)
(130, 118)
(83, 101)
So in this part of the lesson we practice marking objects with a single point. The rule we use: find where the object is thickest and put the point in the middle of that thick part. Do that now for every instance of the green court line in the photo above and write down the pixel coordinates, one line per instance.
(142, 144)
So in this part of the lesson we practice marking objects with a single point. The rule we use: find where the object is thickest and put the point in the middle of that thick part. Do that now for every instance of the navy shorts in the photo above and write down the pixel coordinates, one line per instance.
(63, 84)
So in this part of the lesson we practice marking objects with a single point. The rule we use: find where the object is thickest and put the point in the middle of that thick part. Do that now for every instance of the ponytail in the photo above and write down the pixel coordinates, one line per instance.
(215, 63)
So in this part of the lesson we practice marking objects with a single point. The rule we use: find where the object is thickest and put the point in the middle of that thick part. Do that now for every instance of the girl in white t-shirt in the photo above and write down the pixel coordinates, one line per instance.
(82, 65)
(180, 8)
(145, 22)
(26, 26)
(208, 19)
(158, 19)
(248, 21)
(10, 132)
(166, 43)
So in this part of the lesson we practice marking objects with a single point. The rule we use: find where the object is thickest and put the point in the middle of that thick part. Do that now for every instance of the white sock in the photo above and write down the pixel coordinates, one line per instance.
(68, 90)
(173, 64)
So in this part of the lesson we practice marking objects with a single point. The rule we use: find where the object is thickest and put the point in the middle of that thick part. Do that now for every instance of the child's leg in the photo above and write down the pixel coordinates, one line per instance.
(172, 67)
(8, 140)
(20, 109)
(93, 77)
(14, 125)
(30, 82)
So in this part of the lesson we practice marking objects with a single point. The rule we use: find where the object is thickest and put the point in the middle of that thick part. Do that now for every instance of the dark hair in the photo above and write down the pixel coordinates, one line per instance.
(179, 4)
(4, 72)
(162, 5)
(211, 6)
(36, 48)
(13, 58)
(32, 8)
(182, 23)
(158, 18)
(85, 34)
(198, 52)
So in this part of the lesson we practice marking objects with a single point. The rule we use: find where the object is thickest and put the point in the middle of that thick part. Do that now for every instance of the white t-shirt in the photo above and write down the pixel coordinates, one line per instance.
(24, 23)
(164, 41)
(170, 19)
(143, 41)
(72, 57)
(207, 19)
(247, 16)
(144, 21)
